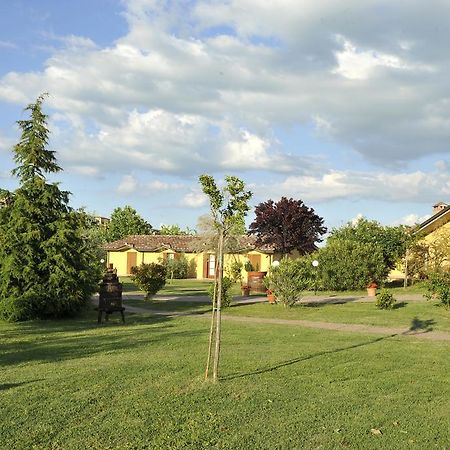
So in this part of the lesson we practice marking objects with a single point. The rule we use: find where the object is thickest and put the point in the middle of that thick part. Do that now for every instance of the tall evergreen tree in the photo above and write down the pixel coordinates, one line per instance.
(47, 268)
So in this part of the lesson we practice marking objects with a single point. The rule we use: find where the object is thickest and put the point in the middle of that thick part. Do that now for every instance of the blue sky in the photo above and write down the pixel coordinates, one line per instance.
(344, 105)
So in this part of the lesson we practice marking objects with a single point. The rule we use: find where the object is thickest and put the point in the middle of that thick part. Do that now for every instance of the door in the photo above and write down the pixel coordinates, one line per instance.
(256, 262)
(211, 265)
(131, 261)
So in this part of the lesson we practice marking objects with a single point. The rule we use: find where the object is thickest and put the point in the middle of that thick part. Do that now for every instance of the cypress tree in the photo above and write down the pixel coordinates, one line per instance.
(47, 267)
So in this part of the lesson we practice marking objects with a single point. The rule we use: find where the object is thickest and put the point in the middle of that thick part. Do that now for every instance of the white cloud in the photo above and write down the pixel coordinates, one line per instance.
(411, 219)
(356, 64)
(194, 199)
(88, 171)
(127, 185)
(350, 185)
(130, 184)
(173, 95)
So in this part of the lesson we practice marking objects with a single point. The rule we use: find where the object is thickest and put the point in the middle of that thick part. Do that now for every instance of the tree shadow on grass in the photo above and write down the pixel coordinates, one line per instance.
(6, 386)
(400, 305)
(301, 359)
(420, 326)
(50, 341)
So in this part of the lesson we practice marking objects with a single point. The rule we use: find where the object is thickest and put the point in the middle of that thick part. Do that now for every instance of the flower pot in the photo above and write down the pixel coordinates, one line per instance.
(371, 291)
(245, 292)
(271, 297)
(255, 281)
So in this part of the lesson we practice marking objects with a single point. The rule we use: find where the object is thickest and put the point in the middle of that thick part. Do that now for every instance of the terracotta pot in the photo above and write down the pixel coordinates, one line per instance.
(245, 292)
(371, 292)
(255, 281)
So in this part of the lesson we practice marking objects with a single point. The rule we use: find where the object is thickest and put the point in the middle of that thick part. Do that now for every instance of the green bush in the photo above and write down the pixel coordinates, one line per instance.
(234, 271)
(226, 291)
(385, 300)
(248, 266)
(289, 280)
(438, 286)
(176, 268)
(150, 278)
(347, 264)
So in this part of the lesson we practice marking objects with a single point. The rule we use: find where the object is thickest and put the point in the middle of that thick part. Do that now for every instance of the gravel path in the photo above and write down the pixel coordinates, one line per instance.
(345, 327)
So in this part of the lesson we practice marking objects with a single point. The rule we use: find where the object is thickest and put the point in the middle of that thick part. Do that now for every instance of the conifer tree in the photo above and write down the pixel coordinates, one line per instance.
(47, 267)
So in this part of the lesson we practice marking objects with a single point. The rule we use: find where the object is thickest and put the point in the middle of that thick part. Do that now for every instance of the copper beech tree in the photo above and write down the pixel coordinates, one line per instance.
(229, 206)
(287, 225)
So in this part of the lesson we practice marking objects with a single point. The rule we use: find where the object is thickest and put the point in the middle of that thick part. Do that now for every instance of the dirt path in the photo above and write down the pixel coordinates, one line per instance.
(345, 327)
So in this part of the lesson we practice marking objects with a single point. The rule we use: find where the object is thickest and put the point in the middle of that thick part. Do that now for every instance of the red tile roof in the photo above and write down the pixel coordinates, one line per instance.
(180, 244)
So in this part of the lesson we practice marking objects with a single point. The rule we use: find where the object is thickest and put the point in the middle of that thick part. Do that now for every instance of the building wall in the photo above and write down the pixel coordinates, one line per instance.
(436, 234)
(119, 260)
(196, 261)
(443, 232)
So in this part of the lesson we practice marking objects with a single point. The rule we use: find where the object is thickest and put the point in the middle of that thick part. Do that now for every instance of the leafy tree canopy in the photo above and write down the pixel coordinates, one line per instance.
(126, 221)
(392, 241)
(287, 225)
(350, 264)
(176, 230)
(47, 267)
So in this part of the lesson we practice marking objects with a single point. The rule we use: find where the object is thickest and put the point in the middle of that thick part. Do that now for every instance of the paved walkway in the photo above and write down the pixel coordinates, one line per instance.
(418, 333)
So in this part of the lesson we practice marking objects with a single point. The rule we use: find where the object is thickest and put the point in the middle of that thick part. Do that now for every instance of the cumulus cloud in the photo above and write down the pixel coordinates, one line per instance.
(194, 199)
(411, 219)
(131, 184)
(127, 185)
(412, 187)
(176, 91)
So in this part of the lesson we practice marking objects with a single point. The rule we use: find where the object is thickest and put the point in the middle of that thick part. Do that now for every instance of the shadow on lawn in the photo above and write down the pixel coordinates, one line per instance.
(400, 305)
(6, 386)
(420, 326)
(312, 303)
(49, 341)
(303, 358)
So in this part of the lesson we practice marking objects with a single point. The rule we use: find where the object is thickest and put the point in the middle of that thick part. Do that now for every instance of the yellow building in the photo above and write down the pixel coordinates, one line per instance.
(137, 249)
(435, 234)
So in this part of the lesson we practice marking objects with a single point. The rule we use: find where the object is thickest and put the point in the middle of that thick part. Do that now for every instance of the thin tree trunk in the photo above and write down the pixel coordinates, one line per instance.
(211, 330)
(219, 278)
(405, 281)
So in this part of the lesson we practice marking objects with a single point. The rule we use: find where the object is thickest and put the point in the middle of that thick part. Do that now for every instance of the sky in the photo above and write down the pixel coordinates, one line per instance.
(342, 104)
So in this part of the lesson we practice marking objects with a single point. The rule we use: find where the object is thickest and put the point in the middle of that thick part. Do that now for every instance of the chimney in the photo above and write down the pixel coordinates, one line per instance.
(438, 207)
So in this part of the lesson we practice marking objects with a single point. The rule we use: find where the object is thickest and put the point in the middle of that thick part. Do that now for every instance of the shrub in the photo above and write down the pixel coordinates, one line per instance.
(226, 291)
(248, 266)
(150, 278)
(289, 280)
(234, 271)
(438, 286)
(347, 264)
(176, 268)
(385, 300)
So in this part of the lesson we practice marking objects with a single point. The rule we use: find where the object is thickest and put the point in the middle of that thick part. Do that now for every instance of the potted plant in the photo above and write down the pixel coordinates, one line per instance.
(269, 291)
(271, 296)
(245, 290)
(372, 289)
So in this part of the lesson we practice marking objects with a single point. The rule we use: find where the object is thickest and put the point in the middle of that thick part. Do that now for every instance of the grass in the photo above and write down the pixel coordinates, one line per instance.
(195, 287)
(427, 315)
(187, 287)
(73, 385)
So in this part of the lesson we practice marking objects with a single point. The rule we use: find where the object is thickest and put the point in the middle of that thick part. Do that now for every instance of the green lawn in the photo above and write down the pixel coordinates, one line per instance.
(430, 315)
(172, 287)
(200, 287)
(73, 385)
